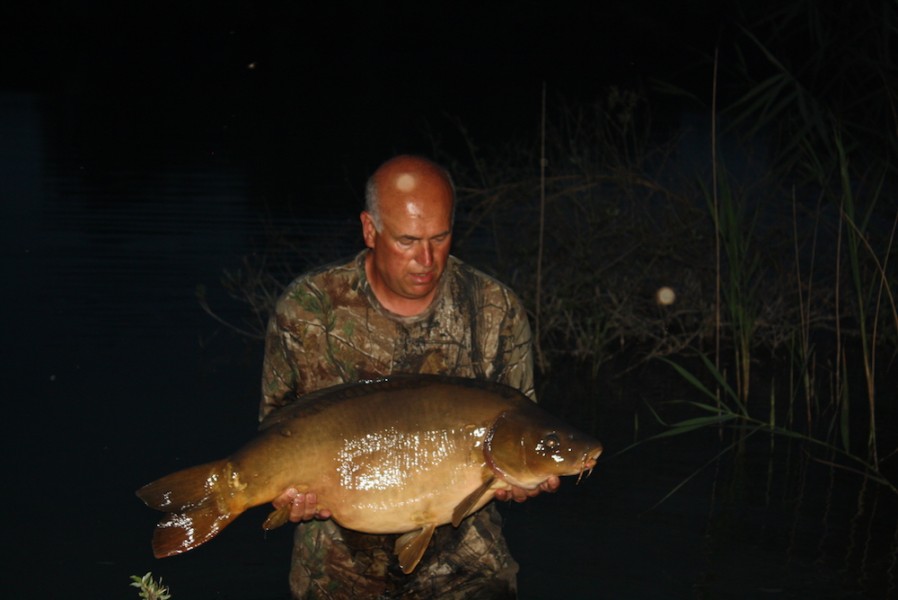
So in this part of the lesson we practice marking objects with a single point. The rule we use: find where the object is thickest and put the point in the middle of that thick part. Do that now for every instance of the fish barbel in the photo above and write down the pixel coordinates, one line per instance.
(403, 455)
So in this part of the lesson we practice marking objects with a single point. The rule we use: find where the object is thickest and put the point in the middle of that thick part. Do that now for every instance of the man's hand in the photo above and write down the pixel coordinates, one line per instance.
(303, 507)
(520, 494)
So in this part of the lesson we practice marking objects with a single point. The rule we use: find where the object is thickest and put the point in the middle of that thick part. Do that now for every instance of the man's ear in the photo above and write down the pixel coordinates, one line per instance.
(369, 231)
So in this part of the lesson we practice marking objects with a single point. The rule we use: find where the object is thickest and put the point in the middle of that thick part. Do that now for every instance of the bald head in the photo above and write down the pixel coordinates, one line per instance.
(406, 177)
(407, 226)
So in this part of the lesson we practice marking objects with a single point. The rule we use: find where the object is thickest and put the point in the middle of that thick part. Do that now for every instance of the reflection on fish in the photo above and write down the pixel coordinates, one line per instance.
(400, 455)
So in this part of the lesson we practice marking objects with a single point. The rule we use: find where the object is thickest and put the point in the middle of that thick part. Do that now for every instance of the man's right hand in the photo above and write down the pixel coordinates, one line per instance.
(303, 507)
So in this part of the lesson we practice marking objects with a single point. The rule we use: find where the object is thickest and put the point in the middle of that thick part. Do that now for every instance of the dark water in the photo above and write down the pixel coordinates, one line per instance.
(113, 375)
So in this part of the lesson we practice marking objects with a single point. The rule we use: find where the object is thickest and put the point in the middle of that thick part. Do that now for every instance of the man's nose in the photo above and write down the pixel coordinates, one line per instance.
(425, 254)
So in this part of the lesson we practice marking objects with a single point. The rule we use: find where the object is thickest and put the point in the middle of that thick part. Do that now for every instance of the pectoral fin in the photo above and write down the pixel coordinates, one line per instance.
(466, 506)
(410, 547)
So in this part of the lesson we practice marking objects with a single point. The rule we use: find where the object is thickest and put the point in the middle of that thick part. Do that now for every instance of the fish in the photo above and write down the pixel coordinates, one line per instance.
(403, 454)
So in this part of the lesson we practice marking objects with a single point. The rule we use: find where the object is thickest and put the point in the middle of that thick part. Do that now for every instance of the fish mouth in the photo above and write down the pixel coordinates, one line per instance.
(588, 462)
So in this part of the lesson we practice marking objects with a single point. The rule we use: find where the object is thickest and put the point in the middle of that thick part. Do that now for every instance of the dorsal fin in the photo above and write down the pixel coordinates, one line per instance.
(312, 402)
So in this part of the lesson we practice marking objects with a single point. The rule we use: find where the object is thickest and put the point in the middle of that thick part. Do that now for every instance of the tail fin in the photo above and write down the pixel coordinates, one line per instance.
(197, 500)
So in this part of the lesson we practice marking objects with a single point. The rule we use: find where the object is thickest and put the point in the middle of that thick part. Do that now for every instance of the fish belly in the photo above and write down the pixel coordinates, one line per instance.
(423, 497)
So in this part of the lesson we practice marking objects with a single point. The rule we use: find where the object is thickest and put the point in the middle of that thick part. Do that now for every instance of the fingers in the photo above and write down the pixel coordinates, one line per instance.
(303, 507)
(286, 498)
(519, 494)
(551, 484)
(516, 493)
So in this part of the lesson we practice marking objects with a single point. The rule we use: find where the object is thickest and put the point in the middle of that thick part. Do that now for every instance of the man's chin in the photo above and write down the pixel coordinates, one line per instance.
(419, 291)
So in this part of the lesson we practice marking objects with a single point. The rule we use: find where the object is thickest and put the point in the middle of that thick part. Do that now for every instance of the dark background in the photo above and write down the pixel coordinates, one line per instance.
(142, 143)
(318, 93)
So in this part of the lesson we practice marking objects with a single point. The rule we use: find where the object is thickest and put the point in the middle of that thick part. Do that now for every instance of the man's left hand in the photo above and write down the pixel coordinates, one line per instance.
(520, 494)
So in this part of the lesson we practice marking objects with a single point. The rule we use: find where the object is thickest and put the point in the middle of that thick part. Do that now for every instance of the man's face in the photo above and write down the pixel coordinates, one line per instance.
(409, 254)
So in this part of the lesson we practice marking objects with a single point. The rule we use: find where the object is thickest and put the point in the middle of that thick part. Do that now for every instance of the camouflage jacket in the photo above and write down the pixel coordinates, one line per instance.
(329, 328)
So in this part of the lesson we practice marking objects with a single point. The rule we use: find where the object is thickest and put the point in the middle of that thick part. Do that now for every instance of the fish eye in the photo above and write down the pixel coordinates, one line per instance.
(551, 442)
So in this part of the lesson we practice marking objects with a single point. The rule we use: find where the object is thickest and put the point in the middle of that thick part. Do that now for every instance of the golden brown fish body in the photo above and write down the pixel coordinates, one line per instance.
(399, 455)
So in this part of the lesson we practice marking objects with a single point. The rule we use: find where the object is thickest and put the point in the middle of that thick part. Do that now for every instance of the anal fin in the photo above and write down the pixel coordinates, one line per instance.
(277, 518)
(410, 547)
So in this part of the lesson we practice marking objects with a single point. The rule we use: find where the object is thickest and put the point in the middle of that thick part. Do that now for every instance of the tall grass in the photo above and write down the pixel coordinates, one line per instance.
(734, 224)
(824, 145)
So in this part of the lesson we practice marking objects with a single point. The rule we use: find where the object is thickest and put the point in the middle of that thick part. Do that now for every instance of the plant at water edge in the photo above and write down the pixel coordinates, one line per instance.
(738, 282)
(829, 111)
(150, 589)
(868, 290)
(729, 411)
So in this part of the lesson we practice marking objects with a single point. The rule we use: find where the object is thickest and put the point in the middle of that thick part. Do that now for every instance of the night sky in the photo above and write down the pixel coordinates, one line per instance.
(331, 89)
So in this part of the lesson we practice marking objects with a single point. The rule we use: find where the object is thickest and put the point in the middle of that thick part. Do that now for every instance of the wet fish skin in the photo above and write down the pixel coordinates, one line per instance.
(400, 455)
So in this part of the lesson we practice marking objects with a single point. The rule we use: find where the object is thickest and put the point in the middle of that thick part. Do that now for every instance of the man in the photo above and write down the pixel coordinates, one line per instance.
(403, 305)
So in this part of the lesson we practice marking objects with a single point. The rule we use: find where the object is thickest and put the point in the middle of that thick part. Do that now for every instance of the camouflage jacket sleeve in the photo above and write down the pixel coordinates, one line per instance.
(284, 352)
(300, 337)
(515, 348)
